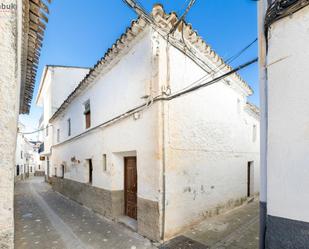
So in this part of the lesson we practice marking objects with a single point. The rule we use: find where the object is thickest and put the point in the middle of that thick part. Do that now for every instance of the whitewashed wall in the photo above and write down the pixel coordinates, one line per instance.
(56, 84)
(114, 92)
(209, 141)
(288, 118)
(208, 134)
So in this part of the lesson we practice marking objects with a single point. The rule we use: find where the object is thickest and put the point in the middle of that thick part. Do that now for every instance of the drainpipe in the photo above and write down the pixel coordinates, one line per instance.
(166, 91)
(262, 6)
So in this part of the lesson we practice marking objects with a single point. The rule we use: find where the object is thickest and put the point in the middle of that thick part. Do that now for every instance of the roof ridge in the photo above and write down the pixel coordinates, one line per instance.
(166, 21)
(136, 27)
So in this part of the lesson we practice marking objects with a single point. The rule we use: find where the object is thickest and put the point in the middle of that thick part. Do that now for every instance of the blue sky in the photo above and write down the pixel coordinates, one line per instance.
(79, 32)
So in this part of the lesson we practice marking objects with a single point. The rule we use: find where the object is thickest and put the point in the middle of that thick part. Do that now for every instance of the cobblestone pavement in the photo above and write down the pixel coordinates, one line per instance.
(44, 219)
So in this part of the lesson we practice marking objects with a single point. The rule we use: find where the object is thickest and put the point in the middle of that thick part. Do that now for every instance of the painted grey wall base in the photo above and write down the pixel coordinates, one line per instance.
(148, 219)
(263, 216)
(105, 202)
(111, 204)
(39, 173)
(284, 233)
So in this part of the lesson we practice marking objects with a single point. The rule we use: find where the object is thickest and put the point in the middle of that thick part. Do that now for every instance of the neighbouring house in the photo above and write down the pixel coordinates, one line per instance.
(23, 155)
(39, 167)
(22, 25)
(130, 144)
(284, 89)
(27, 159)
(56, 84)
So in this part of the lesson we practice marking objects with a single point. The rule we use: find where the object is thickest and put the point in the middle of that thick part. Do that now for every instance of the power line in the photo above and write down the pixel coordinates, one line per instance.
(160, 98)
(182, 17)
(194, 88)
(148, 18)
(215, 71)
(234, 57)
(32, 132)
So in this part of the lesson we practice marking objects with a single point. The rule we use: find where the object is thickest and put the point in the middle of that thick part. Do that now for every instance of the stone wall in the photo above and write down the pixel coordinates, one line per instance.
(39, 173)
(148, 219)
(9, 105)
(105, 202)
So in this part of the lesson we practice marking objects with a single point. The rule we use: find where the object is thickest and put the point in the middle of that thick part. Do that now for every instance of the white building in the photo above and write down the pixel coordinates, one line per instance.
(27, 158)
(129, 142)
(22, 25)
(21, 155)
(50, 97)
(284, 91)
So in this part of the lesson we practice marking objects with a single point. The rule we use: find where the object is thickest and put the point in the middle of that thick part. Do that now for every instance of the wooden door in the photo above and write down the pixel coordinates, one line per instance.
(130, 187)
(250, 171)
(90, 170)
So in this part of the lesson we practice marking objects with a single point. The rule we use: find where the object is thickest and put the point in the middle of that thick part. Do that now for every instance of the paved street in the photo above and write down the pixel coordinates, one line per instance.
(45, 219)
(236, 229)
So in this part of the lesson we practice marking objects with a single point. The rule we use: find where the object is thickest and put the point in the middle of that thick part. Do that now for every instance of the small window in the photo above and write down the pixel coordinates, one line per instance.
(46, 131)
(39, 166)
(104, 162)
(254, 133)
(69, 127)
(58, 135)
(56, 172)
(21, 154)
(87, 113)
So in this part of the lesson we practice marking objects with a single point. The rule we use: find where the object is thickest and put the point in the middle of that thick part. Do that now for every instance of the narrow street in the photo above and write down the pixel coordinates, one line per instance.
(45, 219)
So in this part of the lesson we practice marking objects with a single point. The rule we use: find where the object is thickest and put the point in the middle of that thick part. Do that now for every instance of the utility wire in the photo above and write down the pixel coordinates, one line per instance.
(183, 16)
(31, 132)
(158, 98)
(215, 71)
(142, 12)
(194, 88)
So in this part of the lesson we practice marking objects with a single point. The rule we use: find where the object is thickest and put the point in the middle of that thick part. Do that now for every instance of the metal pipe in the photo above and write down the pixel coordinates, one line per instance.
(262, 7)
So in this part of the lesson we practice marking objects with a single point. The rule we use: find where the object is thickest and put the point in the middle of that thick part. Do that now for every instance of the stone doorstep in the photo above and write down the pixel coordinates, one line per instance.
(128, 222)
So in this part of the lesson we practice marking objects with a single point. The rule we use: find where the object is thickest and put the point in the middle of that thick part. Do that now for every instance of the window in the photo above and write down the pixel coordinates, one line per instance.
(69, 127)
(87, 114)
(39, 166)
(30, 169)
(254, 131)
(104, 162)
(58, 135)
(56, 172)
(46, 131)
(21, 154)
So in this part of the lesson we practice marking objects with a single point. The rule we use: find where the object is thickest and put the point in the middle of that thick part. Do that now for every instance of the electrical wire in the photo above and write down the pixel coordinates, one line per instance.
(148, 18)
(32, 132)
(219, 68)
(161, 98)
(182, 17)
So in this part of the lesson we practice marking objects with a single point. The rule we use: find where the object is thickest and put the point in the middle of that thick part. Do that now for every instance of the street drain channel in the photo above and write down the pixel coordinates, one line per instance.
(182, 242)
